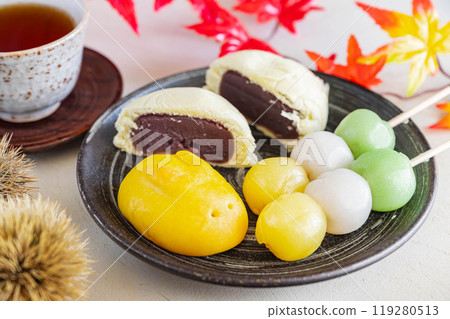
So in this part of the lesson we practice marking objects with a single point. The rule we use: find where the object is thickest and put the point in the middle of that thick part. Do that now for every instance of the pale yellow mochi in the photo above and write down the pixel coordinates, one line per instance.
(193, 102)
(288, 80)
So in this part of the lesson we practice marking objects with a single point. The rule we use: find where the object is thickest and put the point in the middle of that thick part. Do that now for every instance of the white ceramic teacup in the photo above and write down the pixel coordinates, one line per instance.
(33, 82)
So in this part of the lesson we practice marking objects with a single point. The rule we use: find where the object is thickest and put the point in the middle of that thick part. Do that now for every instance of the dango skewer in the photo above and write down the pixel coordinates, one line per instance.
(364, 131)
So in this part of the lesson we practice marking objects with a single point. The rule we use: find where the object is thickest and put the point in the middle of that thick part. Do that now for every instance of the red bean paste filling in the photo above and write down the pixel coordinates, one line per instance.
(255, 104)
(163, 133)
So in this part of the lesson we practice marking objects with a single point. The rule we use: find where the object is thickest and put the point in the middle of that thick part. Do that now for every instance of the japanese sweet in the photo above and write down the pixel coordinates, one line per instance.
(281, 97)
(193, 119)
(180, 203)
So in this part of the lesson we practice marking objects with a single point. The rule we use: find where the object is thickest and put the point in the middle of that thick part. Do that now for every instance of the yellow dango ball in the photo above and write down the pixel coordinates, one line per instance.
(271, 178)
(182, 204)
(292, 227)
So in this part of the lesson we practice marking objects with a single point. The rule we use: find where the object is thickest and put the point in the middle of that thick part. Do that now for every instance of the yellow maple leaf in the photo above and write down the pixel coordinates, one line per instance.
(420, 39)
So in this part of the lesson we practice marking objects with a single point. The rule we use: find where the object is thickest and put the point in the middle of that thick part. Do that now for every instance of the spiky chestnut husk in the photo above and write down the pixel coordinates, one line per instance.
(42, 255)
(14, 170)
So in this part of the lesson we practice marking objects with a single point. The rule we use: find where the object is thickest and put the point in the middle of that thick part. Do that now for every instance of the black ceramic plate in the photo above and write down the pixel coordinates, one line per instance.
(101, 167)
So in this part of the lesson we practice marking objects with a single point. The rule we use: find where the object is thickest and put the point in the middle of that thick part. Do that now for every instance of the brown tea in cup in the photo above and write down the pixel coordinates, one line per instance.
(26, 26)
(34, 81)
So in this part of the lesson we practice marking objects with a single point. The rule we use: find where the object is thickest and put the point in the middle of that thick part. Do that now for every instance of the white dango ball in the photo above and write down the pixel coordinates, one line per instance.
(345, 197)
(321, 152)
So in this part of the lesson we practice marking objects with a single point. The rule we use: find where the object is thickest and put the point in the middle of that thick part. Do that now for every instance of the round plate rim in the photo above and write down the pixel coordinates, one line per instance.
(237, 279)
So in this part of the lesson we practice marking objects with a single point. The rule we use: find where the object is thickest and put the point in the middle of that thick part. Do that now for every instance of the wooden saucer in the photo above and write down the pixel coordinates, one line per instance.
(99, 87)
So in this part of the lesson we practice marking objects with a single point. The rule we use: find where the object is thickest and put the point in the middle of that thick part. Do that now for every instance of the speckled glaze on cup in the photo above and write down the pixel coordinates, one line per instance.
(33, 82)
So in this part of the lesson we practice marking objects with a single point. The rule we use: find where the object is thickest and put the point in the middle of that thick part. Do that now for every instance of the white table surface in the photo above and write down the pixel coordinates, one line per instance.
(418, 270)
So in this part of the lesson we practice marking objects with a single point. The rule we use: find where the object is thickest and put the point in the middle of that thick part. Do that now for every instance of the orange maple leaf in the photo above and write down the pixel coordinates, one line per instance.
(444, 123)
(420, 41)
(355, 71)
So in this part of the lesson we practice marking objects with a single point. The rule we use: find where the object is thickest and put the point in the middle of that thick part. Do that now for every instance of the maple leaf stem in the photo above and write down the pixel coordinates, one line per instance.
(401, 97)
(442, 69)
(274, 31)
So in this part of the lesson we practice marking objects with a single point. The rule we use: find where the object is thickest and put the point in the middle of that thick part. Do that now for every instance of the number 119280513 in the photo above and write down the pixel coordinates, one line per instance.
(405, 310)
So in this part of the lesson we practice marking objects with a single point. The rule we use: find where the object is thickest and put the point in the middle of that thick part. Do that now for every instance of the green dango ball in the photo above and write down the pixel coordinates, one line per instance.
(364, 131)
(390, 176)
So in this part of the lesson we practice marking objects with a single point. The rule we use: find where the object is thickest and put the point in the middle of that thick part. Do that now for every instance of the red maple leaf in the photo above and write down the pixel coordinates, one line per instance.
(126, 9)
(198, 5)
(362, 74)
(286, 11)
(444, 123)
(251, 44)
(161, 3)
(221, 25)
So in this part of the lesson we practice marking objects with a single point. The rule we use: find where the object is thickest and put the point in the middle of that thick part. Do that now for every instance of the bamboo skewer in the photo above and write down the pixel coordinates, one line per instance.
(420, 107)
(424, 157)
(401, 118)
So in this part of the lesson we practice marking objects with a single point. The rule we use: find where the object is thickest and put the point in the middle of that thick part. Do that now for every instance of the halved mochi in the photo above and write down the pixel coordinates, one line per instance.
(193, 119)
(281, 97)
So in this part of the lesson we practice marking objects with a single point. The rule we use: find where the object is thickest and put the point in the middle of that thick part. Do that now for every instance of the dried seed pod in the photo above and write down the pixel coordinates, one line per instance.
(14, 170)
(42, 255)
